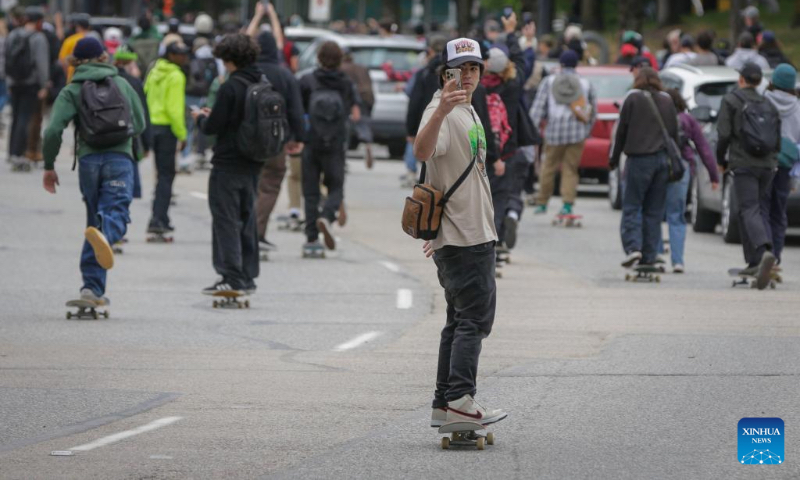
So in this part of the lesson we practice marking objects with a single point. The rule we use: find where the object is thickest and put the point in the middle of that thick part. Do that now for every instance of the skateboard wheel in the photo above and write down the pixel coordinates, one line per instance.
(480, 443)
(105, 314)
(247, 304)
(445, 443)
(658, 279)
(627, 277)
(94, 315)
(772, 285)
(69, 315)
(490, 438)
(216, 304)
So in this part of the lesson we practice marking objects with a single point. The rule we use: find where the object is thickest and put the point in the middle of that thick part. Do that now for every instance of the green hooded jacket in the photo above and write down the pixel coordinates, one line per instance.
(165, 88)
(65, 110)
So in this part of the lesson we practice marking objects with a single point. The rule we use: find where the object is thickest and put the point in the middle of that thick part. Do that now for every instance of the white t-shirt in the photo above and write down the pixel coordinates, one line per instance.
(469, 215)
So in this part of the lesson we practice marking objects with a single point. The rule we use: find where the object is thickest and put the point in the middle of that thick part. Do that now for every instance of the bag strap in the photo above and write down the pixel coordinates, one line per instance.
(463, 176)
(658, 115)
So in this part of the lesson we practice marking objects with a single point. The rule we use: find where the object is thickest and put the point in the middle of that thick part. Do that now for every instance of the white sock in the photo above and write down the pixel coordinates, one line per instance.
(513, 214)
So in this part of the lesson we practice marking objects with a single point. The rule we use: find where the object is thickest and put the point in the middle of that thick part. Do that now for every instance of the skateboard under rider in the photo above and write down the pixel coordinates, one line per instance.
(160, 238)
(313, 250)
(745, 279)
(567, 220)
(465, 434)
(644, 273)
(87, 309)
(229, 299)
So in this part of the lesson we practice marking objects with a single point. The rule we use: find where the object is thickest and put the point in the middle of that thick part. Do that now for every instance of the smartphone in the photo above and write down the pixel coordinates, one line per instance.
(452, 73)
(507, 12)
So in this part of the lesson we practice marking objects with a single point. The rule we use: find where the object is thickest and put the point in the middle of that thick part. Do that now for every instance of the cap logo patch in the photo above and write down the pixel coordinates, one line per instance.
(465, 46)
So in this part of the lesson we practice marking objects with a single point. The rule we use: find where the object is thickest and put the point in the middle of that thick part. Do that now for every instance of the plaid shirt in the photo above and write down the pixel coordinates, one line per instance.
(564, 128)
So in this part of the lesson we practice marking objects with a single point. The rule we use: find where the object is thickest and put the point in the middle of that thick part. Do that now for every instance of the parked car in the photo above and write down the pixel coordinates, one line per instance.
(703, 89)
(389, 113)
(303, 37)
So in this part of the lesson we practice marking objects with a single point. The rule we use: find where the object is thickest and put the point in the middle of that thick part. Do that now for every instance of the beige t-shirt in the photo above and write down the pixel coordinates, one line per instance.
(469, 215)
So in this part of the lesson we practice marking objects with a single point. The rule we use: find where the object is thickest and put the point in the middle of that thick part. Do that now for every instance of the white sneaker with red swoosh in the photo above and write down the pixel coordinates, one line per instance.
(466, 409)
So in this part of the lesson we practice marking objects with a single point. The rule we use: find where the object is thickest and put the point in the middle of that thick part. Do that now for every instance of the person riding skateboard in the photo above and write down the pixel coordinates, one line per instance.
(106, 173)
(450, 140)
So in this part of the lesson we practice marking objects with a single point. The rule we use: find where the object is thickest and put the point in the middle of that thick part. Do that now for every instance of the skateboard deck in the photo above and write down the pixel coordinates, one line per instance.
(465, 434)
(159, 238)
(644, 273)
(313, 251)
(229, 300)
(750, 280)
(288, 223)
(86, 309)
(570, 220)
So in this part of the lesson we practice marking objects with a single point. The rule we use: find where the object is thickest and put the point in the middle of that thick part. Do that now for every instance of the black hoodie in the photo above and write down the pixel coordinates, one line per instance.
(329, 80)
(283, 82)
(225, 119)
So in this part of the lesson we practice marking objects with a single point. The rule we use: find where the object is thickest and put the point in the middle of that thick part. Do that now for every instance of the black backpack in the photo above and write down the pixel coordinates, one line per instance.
(262, 133)
(104, 114)
(328, 118)
(19, 60)
(202, 72)
(760, 126)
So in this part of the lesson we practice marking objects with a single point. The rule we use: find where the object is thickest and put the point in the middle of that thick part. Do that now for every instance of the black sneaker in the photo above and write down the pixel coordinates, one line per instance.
(221, 286)
(511, 224)
(266, 246)
(250, 288)
(765, 270)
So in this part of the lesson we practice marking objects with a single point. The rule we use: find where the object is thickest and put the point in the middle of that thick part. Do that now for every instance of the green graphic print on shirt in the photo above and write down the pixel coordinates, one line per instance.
(477, 140)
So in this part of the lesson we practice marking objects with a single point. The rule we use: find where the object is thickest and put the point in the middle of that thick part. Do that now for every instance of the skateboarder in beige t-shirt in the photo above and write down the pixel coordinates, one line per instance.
(449, 137)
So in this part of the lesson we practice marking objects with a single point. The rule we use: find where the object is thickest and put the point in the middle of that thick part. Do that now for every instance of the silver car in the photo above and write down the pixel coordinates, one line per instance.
(391, 103)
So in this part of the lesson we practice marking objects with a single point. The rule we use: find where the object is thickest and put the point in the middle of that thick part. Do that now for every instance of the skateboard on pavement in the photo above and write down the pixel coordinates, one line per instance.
(288, 223)
(159, 238)
(465, 434)
(644, 273)
(313, 250)
(86, 309)
(744, 279)
(567, 220)
(229, 300)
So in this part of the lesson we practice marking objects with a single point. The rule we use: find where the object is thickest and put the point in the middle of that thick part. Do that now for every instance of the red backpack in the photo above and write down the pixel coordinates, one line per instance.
(498, 117)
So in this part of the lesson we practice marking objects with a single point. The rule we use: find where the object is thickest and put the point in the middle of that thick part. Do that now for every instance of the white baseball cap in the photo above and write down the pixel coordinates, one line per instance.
(461, 51)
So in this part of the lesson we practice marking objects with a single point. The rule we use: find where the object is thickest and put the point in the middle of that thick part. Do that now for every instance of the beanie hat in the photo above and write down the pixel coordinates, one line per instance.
(784, 77)
(87, 48)
(498, 60)
(568, 59)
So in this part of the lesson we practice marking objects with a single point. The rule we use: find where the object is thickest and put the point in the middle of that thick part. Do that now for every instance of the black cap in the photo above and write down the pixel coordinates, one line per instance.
(640, 61)
(751, 73)
(178, 48)
(34, 14)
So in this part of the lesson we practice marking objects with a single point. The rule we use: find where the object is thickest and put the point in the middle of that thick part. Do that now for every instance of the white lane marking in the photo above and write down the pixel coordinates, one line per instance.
(102, 442)
(405, 298)
(200, 195)
(359, 340)
(392, 267)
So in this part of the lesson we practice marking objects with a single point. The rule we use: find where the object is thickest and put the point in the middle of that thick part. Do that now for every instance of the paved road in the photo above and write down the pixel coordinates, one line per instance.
(330, 373)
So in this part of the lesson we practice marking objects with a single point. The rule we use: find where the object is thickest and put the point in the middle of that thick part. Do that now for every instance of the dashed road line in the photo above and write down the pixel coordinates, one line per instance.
(200, 195)
(102, 442)
(358, 341)
(392, 267)
(405, 298)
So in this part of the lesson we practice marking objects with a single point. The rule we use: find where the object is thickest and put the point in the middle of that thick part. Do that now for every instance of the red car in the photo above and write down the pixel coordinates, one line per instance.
(611, 83)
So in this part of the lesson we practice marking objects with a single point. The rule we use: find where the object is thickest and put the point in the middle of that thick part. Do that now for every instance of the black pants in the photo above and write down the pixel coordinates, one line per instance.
(778, 222)
(644, 201)
(753, 187)
(232, 200)
(165, 145)
(467, 276)
(317, 163)
(24, 103)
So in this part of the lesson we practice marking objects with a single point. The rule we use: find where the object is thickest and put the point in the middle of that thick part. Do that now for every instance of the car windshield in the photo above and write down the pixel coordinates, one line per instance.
(374, 57)
(710, 94)
(610, 86)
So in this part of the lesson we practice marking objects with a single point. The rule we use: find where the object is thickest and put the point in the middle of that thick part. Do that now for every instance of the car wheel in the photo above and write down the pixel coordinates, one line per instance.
(703, 221)
(397, 150)
(614, 189)
(730, 214)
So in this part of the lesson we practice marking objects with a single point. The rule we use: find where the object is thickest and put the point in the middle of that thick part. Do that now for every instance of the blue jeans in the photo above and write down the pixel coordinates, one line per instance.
(106, 181)
(676, 217)
(643, 203)
(191, 130)
(409, 159)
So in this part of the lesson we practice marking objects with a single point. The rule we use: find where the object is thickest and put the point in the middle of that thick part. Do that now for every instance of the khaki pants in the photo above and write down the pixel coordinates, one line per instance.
(269, 187)
(295, 182)
(555, 155)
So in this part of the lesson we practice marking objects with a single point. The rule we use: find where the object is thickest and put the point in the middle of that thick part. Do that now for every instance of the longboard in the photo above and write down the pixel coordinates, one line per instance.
(567, 220)
(229, 300)
(465, 434)
(86, 309)
(745, 279)
(644, 273)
